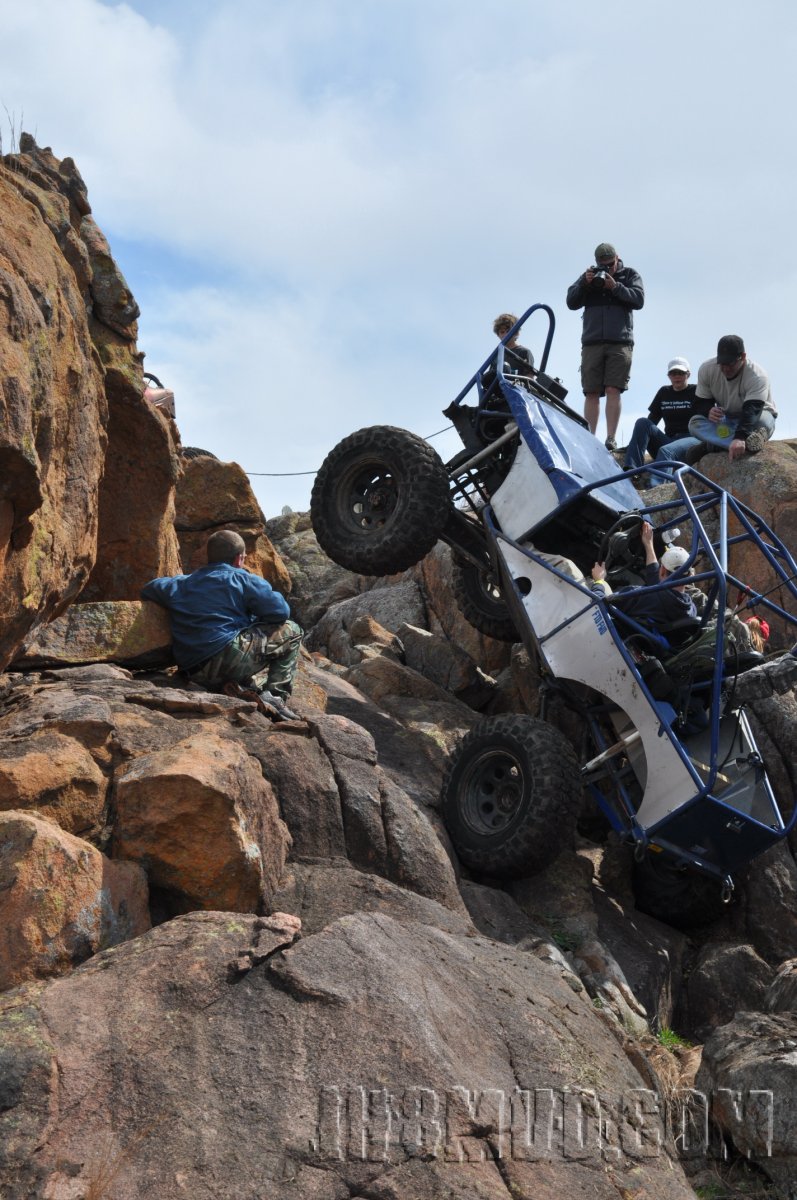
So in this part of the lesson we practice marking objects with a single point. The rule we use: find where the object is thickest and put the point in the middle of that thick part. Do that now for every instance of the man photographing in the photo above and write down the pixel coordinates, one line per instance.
(608, 292)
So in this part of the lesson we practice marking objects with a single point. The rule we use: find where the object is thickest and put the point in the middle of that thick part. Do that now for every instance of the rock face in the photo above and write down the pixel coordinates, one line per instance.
(136, 537)
(88, 468)
(53, 398)
(204, 822)
(56, 776)
(214, 495)
(767, 482)
(60, 900)
(130, 632)
(748, 1070)
(317, 582)
(328, 1007)
(349, 1052)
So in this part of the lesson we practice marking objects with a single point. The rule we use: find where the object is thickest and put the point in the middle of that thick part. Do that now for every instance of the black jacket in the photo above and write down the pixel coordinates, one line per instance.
(608, 315)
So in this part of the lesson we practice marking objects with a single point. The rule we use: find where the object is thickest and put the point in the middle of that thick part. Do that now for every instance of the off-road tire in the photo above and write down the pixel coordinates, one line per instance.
(479, 600)
(675, 895)
(511, 796)
(380, 501)
(195, 452)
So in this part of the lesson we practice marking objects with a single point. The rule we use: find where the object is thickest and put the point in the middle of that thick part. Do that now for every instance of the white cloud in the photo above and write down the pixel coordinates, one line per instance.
(344, 193)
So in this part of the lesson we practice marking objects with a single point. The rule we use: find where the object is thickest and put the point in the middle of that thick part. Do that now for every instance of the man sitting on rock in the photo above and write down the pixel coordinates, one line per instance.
(734, 410)
(230, 627)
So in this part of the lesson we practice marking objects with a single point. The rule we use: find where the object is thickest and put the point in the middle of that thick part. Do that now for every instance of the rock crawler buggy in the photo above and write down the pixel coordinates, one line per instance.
(668, 756)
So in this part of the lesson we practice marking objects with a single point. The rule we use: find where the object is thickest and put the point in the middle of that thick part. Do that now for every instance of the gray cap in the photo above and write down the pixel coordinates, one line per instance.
(604, 252)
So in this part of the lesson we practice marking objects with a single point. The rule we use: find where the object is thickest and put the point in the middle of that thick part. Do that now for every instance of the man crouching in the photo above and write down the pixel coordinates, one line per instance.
(230, 626)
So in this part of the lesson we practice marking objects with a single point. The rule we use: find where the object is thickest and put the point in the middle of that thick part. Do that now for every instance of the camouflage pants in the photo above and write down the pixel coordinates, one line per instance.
(700, 654)
(266, 655)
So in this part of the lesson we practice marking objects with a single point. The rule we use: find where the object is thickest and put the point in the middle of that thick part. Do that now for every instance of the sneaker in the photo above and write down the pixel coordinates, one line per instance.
(756, 441)
(272, 700)
(269, 703)
(611, 445)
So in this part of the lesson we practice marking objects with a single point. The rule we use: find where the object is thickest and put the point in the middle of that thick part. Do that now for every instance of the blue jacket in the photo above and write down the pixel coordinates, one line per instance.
(608, 315)
(209, 607)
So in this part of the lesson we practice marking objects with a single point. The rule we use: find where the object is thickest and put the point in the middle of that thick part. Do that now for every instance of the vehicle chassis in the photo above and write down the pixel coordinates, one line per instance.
(706, 802)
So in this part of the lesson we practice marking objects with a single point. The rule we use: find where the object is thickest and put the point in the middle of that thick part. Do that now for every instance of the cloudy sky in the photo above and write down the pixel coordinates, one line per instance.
(320, 206)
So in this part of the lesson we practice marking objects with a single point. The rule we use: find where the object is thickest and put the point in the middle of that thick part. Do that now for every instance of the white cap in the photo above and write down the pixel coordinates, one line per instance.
(674, 557)
(677, 364)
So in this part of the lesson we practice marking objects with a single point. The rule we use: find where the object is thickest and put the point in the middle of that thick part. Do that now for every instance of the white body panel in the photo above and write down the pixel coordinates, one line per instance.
(585, 652)
(526, 496)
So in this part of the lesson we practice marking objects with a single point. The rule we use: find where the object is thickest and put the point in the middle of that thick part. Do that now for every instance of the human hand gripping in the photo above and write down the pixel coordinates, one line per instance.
(646, 535)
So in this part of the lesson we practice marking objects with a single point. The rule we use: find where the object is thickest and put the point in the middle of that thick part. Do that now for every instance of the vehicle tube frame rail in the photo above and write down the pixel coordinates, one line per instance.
(670, 758)
(722, 812)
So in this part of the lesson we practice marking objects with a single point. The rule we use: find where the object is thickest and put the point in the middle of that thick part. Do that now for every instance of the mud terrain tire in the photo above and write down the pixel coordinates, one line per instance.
(195, 452)
(480, 601)
(511, 796)
(674, 895)
(380, 501)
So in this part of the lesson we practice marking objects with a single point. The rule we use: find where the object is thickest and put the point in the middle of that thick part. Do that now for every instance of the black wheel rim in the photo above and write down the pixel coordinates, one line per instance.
(492, 792)
(369, 497)
(490, 590)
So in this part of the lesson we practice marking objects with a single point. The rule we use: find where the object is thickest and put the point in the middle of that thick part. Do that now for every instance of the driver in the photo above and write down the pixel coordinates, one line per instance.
(667, 606)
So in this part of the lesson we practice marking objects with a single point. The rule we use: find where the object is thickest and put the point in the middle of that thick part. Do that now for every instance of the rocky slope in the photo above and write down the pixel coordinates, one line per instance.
(239, 959)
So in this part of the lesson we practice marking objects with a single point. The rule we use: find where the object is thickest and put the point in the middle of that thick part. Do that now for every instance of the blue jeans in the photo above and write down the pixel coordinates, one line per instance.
(646, 436)
(675, 451)
(708, 431)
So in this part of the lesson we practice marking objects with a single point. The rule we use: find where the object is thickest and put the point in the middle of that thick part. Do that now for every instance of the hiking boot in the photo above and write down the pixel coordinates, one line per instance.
(272, 700)
(694, 454)
(269, 703)
(756, 441)
(611, 445)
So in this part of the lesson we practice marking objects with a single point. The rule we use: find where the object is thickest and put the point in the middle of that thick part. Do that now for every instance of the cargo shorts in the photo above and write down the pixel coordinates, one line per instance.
(605, 364)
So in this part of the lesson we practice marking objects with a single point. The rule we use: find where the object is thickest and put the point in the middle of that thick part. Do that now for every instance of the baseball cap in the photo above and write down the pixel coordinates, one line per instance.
(729, 348)
(605, 251)
(677, 364)
(674, 557)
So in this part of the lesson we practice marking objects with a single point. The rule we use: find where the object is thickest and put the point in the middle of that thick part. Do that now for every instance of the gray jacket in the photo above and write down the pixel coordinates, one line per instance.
(608, 315)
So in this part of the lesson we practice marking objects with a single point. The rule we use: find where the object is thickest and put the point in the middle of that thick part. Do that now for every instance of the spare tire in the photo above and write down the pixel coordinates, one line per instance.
(380, 501)
(195, 452)
(511, 796)
(479, 599)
